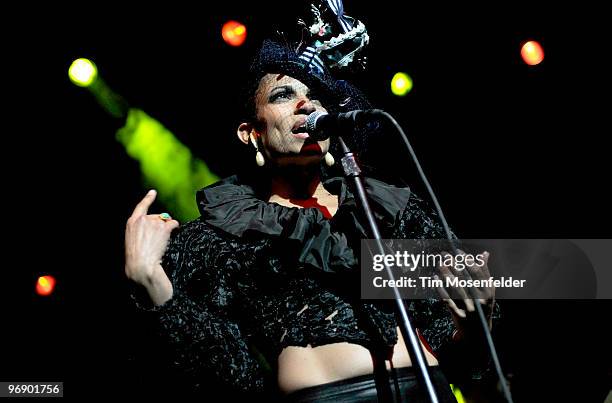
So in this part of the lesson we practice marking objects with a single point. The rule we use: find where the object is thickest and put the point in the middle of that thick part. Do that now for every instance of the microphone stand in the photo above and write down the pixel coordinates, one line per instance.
(413, 345)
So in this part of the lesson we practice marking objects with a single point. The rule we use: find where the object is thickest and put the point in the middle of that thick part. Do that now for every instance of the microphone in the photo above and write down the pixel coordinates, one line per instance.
(321, 125)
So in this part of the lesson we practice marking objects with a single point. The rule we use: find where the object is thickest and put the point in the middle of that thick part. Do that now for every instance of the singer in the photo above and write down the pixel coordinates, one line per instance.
(259, 296)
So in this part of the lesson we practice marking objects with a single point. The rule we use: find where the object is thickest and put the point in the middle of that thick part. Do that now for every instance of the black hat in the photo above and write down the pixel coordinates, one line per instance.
(276, 58)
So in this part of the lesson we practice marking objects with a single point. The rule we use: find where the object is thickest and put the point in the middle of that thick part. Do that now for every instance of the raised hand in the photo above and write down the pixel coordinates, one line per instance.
(462, 296)
(146, 239)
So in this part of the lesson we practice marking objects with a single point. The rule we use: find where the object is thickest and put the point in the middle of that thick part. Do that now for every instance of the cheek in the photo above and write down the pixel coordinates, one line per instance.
(275, 142)
(275, 119)
(278, 128)
(273, 138)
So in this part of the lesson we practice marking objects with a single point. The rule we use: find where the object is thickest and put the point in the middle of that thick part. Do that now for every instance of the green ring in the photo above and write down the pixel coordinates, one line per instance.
(165, 216)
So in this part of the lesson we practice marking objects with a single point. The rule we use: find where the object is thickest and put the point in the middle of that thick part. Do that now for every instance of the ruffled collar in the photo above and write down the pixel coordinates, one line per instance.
(234, 207)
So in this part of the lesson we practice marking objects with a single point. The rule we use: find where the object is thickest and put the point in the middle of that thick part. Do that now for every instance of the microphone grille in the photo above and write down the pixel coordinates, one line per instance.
(311, 121)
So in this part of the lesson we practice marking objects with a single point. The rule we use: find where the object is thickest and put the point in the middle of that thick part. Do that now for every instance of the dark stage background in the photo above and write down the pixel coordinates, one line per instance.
(511, 150)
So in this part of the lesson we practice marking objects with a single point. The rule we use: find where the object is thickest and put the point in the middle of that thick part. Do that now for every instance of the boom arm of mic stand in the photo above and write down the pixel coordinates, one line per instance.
(351, 170)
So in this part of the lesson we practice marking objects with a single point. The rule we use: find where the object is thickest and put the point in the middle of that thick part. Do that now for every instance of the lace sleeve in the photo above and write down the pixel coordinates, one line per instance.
(203, 339)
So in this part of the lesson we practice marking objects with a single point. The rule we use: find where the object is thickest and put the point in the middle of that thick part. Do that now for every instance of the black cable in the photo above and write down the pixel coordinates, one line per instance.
(481, 316)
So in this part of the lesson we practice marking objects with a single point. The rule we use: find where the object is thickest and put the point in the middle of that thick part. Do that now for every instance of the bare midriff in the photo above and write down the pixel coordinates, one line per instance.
(302, 367)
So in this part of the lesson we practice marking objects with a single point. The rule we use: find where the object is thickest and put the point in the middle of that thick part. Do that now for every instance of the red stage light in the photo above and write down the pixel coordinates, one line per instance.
(45, 285)
(532, 53)
(234, 33)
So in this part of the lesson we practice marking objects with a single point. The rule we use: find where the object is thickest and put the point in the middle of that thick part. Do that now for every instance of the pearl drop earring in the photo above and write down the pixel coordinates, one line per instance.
(259, 158)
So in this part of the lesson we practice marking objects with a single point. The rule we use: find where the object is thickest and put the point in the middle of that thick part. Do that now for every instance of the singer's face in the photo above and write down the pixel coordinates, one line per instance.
(282, 105)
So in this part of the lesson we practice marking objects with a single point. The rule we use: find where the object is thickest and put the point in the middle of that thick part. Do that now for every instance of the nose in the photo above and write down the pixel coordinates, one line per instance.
(304, 106)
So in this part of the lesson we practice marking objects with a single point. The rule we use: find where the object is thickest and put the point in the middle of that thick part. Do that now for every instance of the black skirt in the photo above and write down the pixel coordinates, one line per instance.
(363, 389)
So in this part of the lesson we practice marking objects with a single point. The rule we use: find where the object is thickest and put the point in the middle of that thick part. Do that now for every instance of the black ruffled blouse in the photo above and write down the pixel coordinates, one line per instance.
(252, 277)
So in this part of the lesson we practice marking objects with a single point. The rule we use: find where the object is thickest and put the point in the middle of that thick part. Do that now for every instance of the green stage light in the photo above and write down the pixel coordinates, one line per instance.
(83, 72)
(401, 84)
(458, 394)
(166, 164)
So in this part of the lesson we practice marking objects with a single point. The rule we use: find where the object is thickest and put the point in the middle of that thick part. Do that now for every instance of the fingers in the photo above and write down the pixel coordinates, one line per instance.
(143, 207)
(469, 304)
(485, 256)
(449, 301)
(173, 224)
(460, 312)
(166, 226)
(156, 221)
(167, 219)
(449, 271)
(481, 272)
(454, 295)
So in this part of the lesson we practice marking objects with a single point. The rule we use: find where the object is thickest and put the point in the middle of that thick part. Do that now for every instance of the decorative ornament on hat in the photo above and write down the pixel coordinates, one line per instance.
(335, 43)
